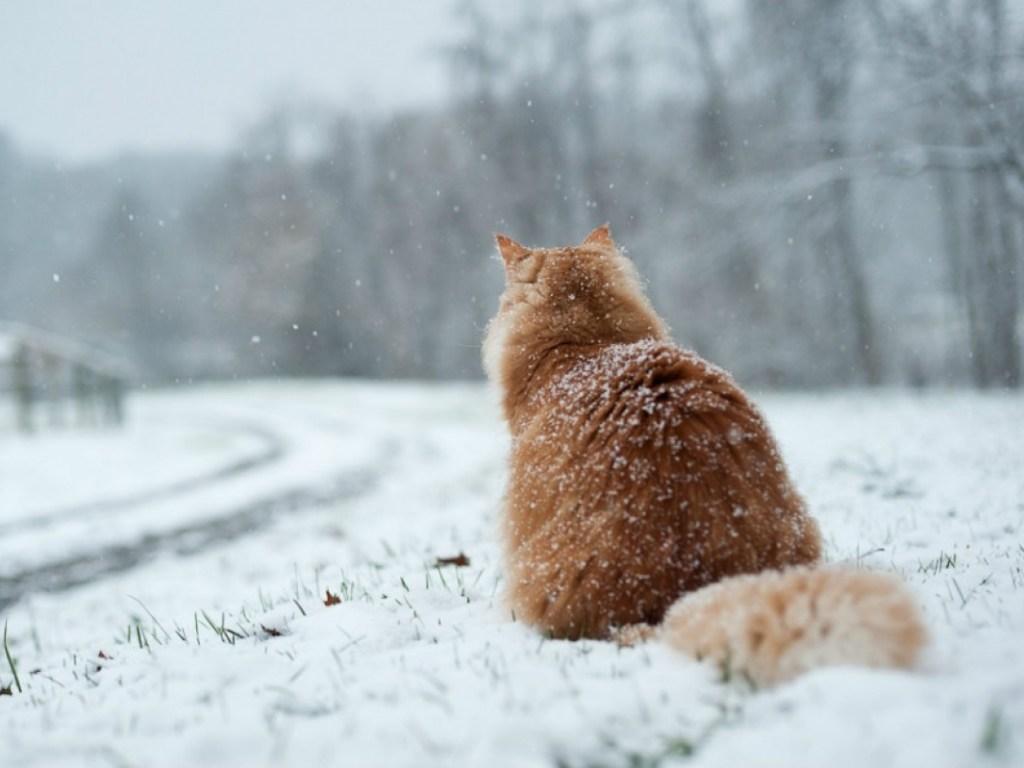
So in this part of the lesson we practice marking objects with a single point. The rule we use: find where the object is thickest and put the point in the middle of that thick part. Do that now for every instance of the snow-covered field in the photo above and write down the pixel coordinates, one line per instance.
(189, 557)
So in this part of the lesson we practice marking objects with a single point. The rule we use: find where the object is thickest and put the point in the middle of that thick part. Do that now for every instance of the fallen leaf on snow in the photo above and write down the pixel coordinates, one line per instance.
(331, 599)
(459, 561)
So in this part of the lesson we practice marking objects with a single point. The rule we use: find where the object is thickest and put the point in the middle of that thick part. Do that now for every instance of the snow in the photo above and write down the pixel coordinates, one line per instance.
(115, 463)
(139, 490)
(420, 665)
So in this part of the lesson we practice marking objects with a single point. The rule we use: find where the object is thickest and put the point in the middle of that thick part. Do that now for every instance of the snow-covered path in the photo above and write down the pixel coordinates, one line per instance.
(225, 654)
(147, 490)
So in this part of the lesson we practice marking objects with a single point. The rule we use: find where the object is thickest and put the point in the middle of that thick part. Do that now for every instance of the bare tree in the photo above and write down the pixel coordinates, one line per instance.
(958, 56)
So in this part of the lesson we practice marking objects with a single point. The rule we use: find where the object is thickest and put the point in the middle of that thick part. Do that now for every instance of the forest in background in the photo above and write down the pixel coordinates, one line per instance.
(819, 192)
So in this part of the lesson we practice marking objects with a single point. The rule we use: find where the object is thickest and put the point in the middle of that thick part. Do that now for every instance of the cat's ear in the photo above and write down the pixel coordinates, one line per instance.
(511, 251)
(601, 236)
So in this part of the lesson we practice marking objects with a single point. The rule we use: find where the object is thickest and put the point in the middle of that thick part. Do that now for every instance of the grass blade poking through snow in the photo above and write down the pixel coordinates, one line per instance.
(10, 661)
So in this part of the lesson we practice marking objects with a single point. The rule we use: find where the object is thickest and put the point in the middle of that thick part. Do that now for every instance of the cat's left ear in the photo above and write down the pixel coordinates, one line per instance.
(511, 251)
(601, 236)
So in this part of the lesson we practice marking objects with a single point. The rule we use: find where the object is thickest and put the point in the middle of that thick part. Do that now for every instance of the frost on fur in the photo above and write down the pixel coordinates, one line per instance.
(771, 627)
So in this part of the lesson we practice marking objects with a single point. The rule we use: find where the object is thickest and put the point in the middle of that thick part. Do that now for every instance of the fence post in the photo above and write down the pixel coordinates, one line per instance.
(80, 384)
(23, 394)
(111, 395)
(53, 387)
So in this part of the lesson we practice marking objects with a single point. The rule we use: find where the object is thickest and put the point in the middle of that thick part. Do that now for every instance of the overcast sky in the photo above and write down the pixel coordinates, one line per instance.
(86, 79)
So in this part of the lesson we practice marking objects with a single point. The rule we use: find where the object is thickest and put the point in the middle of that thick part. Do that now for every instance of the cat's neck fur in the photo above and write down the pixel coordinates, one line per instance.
(531, 353)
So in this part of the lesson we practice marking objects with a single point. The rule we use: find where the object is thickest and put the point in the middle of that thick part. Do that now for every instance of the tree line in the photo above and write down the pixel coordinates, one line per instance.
(819, 192)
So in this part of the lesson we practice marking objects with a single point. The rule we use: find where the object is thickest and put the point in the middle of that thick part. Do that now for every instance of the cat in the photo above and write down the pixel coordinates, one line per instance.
(647, 498)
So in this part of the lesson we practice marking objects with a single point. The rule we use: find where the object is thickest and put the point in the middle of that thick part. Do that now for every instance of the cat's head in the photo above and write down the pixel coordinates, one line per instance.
(584, 294)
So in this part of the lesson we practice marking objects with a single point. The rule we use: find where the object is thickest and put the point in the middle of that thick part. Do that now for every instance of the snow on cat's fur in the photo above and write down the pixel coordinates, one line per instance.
(645, 487)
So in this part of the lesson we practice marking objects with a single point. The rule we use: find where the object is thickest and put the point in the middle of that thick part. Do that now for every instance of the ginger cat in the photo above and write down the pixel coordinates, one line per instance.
(645, 488)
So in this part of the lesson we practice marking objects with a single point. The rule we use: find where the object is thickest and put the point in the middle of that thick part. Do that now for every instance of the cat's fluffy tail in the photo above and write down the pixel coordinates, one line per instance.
(775, 625)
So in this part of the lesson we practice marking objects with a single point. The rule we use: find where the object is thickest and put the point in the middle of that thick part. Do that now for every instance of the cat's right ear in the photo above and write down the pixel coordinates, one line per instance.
(601, 236)
(511, 251)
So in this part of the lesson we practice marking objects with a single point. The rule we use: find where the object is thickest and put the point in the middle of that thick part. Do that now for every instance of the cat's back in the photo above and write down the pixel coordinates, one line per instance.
(650, 424)
(646, 393)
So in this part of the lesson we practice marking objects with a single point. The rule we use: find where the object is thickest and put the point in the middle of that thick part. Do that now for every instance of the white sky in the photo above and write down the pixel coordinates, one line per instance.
(82, 79)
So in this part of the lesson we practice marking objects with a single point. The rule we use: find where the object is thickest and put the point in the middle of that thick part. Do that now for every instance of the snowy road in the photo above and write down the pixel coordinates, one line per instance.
(264, 463)
(241, 506)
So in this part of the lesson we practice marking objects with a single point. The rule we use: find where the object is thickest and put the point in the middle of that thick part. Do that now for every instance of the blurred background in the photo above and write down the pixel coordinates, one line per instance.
(821, 193)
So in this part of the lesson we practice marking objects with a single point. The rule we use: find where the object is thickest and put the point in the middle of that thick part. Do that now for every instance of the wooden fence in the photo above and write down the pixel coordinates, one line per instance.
(50, 382)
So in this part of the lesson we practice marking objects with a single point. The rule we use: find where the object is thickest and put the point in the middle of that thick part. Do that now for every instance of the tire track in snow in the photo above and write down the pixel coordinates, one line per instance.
(272, 451)
(191, 538)
(282, 445)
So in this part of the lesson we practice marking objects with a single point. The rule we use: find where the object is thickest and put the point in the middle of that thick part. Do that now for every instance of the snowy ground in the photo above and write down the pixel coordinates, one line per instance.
(190, 556)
